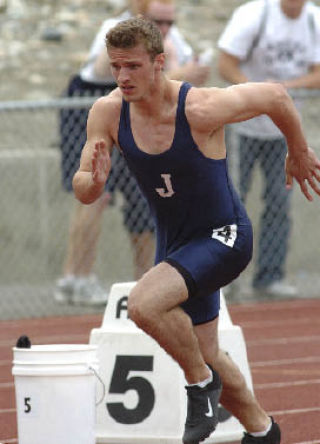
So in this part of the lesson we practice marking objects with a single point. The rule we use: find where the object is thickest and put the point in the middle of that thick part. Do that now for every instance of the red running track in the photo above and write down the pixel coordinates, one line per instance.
(283, 344)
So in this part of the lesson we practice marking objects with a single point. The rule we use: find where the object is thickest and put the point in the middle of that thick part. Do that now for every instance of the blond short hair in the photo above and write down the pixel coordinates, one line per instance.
(130, 33)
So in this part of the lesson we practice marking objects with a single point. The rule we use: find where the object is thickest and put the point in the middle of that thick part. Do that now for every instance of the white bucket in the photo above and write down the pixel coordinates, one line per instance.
(55, 393)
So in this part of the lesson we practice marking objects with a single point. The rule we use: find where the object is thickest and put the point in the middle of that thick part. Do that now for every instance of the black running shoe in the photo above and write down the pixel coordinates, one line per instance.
(202, 414)
(272, 437)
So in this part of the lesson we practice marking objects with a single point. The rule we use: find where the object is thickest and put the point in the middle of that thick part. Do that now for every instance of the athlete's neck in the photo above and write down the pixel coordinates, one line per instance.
(159, 94)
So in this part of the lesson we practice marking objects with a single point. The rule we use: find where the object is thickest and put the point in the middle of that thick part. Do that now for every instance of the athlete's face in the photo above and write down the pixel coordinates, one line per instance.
(134, 71)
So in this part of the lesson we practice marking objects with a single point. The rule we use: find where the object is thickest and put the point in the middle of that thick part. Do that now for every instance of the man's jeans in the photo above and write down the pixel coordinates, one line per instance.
(275, 221)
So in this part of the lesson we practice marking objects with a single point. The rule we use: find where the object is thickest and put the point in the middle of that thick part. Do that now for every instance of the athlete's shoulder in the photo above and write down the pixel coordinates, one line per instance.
(104, 115)
(109, 105)
(111, 100)
(200, 98)
(203, 106)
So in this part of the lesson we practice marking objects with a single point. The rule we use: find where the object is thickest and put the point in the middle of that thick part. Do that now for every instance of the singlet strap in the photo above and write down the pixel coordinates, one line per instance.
(183, 130)
(124, 115)
(182, 102)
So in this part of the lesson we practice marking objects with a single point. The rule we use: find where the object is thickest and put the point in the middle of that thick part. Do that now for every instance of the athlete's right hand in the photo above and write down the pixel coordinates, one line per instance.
(101, 163)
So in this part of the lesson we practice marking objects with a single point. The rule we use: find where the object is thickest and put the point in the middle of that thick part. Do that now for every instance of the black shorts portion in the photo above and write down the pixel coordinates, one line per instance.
(207, 264)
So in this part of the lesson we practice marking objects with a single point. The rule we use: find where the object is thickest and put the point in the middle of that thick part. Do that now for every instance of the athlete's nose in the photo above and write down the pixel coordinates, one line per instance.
(123, 75)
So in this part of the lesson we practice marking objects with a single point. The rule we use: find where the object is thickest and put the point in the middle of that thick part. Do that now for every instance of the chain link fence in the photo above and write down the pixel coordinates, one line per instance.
(36, 211)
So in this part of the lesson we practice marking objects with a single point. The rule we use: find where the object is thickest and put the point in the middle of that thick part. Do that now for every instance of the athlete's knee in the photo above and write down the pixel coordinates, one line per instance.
(138, 307)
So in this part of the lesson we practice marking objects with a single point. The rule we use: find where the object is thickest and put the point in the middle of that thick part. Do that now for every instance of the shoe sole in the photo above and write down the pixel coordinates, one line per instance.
(201, 439)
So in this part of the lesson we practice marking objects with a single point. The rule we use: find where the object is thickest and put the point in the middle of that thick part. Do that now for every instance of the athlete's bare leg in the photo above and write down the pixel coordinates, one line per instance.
(236, 396)
(154, 306)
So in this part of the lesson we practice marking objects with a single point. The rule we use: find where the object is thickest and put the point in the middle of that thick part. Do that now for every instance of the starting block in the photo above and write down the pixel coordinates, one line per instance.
(145, 398)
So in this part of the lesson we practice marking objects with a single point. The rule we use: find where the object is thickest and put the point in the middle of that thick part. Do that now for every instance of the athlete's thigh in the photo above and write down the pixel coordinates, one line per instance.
(162, 287)
(211, 263)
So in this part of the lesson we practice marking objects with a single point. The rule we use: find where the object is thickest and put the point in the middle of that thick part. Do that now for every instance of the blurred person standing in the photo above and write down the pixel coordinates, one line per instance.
(270, 40)
(78, 284)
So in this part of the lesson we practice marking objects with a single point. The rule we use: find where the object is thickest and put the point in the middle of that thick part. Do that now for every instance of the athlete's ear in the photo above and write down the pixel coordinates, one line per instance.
(160, 60)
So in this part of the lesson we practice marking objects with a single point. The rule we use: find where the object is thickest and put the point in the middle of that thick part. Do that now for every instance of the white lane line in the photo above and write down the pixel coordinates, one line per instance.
(305, 360)
(274, 322)
(316, 441)
(5, 385)
(278, 306)
(283, 341)
(286, 384)
(294, 411)
(7, 411)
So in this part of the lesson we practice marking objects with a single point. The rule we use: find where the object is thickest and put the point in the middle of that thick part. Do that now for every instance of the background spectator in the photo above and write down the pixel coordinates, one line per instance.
(274, 40)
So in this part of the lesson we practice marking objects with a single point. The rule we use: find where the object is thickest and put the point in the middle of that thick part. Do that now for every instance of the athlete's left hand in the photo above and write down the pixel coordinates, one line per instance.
(305, 169)
(101, 163)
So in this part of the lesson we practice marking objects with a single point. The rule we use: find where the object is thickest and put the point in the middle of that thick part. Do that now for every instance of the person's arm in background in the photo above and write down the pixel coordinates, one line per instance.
(229, 68)
(191, 72)
(310, 80)
(184, 66)
(237, 40)
(102, 65)
(98, 59)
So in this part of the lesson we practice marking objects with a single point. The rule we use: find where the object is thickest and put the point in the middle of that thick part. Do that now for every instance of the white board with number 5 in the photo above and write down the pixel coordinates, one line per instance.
(145, 398)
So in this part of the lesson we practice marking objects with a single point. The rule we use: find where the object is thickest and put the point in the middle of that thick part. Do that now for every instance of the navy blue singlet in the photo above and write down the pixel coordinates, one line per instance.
(202, 227)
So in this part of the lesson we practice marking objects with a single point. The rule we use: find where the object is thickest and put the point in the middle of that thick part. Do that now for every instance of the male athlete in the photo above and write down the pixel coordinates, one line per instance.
(172, 137)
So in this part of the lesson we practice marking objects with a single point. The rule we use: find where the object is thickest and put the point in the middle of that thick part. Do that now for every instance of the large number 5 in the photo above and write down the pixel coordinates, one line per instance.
(120, 383)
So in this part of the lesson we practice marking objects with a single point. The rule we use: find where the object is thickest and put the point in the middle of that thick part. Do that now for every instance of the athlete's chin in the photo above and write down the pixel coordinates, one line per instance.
(131, 97)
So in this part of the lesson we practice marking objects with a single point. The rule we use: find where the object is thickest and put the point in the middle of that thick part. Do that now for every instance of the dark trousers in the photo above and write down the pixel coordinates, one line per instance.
(275, 221)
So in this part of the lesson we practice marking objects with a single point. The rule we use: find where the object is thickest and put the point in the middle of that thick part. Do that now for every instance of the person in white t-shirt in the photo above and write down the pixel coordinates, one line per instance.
(78, 284)
(270, 40)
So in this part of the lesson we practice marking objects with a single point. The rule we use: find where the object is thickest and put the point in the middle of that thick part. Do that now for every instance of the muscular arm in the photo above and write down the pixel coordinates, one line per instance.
(229, 69)
(212, 108)
(220, 106)
(90, 179)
